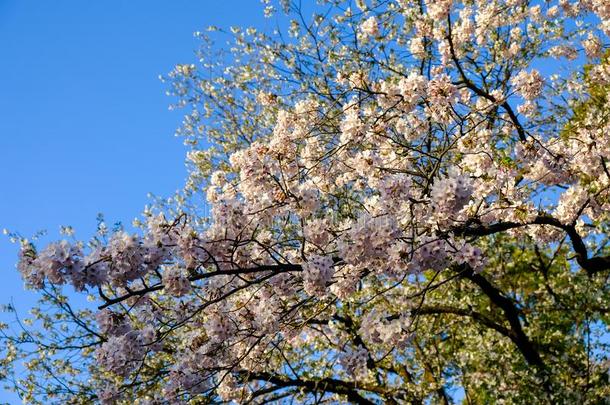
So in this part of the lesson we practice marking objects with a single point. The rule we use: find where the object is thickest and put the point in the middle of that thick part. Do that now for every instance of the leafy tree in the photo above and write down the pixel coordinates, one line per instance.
(390, 201)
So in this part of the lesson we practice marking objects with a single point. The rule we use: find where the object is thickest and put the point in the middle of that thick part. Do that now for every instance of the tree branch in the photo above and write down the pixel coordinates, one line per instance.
(590, 265)
(349, 389)
(516, 333)
(280, 268)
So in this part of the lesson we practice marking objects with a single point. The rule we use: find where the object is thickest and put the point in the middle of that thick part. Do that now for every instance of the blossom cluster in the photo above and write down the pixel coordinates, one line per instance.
(317, 273)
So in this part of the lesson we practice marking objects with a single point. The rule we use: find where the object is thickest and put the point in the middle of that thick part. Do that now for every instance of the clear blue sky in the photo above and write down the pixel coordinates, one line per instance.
(84, 122)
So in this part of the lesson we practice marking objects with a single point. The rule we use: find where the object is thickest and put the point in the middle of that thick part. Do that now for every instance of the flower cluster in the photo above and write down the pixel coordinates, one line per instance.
(176, 282)
(571, 204)
(528, 84)
(61, 263)
(470, 255)
(121, 354)
(112, 323)
(380, 329)
(449, 195)
(353, 360)
(317, 273)
(370, 27)
(367, 240)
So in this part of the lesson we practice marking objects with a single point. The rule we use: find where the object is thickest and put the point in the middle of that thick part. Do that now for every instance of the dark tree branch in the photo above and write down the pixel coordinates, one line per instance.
(512, 314)
(477, 316)
(591, 265)
(349, 389)
(280, 268)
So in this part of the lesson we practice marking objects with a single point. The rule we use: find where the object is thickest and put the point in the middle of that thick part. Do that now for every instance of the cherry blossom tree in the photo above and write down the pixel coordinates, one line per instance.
(389, 201)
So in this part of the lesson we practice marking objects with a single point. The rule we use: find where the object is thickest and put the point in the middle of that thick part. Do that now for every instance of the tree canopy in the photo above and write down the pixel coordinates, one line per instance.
(389, 201)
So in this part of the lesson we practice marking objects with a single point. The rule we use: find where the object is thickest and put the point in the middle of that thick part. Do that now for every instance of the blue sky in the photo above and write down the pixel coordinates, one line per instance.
(84, 121)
